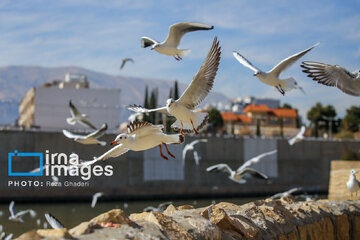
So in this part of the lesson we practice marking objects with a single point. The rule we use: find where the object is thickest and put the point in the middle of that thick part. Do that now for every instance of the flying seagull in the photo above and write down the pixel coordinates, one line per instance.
(353, 185)
(333, 76)
(95, 198)
(171, 44)
(236, 176)
(124, 61)
(272, 77)
(17, 216)
(298, 137)
(187, 119)
(189, 147)
(255, 159)
(76, 116)
(286, 193)
(197, 158)
(91, 138)
(141, 136)
(53, 222)
(160, 208)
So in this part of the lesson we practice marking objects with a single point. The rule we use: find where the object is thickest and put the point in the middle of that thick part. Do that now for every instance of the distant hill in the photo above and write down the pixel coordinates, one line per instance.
(15, 81)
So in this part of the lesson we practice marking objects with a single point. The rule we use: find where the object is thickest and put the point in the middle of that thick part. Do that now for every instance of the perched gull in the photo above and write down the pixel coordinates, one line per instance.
(189, 147)
(124, 61)
(76, 116)
(286, 193)
(141, 136)
(353, 184)
(17, 216)
(95, 198)
(187, 119)
(236, 176)
(160, 208)
(91, 138)
(255, 159)
(176, 32)
(54, 223)
(272, 77)
(333, 76)
(298, 137)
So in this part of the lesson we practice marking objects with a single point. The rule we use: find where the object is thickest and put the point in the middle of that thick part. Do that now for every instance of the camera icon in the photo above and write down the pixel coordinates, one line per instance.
(17, 154)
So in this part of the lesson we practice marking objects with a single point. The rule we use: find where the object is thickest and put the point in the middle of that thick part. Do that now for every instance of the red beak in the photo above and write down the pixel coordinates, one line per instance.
(113, 142)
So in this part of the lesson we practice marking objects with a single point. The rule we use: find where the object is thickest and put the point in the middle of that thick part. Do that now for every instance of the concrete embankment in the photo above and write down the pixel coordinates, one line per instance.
(263, 219)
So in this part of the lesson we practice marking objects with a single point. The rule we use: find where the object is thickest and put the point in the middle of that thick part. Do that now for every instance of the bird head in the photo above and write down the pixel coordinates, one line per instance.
(120, 138)
(169, 102)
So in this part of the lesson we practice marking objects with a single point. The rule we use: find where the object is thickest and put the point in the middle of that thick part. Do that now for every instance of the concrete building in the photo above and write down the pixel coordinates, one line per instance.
(236, 123)
(47, 107)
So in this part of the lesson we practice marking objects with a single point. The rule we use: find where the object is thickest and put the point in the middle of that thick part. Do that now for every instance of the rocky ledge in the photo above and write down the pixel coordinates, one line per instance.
(264, 219)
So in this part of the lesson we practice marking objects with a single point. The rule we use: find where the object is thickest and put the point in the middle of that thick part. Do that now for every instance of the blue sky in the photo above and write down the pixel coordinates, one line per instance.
(98, 34)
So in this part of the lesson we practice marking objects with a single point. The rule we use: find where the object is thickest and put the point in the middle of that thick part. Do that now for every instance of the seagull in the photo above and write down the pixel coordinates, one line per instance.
(272, 77)
(255, 159)
(141, 136)
(54, 223)
(286, 193)
(197, 158)
(176, 32)
(124, 61)
(236, 176)
(4, 237)
(187, 119)
(91, 138)
(298, 137)
(353, 184)
(76, 116)
(95, 198)
(160, 208)
(190, 146)
(133, 117)
(333, 76)
(17, 216)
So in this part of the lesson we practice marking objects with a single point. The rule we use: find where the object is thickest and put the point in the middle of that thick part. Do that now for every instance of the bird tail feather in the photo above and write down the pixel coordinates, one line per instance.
(199, 122)
(184, 52)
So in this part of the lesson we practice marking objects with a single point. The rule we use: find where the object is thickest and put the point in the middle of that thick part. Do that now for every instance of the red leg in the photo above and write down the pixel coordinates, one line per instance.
(195, 131)
(168, 150)
(181, 130)
(161, 154)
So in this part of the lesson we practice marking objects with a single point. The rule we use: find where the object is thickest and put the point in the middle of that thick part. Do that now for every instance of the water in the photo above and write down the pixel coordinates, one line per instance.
(72, 214)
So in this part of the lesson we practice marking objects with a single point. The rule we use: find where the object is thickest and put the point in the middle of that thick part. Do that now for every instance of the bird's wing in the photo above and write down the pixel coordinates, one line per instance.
(71, 135)
(144, 129)
(177, 31)
(184, 151)
(253, 172)
(95, 198)
(222, 167)
(124, 61)
(300, 134)
(73, 110)
(8, 237)
(287, 62)
(54, 223)
(196, 158)
(147, 42)
(113, 152)
(22, 213)
(203, 80)
(334, 76)
(140, 109)
(98, 133)
(86, 123)
(245, 62)
(12, 208)
(255, 159)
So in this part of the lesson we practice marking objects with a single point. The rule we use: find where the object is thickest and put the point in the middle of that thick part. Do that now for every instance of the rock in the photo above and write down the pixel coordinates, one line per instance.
(114, 216)
(84, 228)
(184, 207)
(57, 233)
(343, 227)
(139, 216)
(170, 210)
(33, 235)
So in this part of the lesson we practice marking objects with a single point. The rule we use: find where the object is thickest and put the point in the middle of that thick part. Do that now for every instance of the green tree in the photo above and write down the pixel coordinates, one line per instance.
(215, 120)
(176, 90)
(171, 93)
(325, 114)
(286, 106)
(352, 119)
(314, 116)
(153, 104)
(146, 103)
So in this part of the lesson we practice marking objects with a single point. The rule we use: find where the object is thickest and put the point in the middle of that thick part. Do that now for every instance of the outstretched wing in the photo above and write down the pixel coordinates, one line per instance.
(298, 136)
(177, 31)
(222, 167)
(245, 62)
(73, 110)
(86, 123)
(256, 159)
(140, 109)
(95, 198)
(144, 128)
(112, 153)
(71, 135)
(334, 76)
(12, 208)
(147, 42)
(253, 172)
(100, 132)
(54, 223)
(203, 81)
(124, 61)
(287, 62)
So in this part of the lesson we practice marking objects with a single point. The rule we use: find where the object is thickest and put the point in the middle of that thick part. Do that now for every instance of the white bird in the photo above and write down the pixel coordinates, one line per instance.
(134, 117)
(255, 159)
(236, 176)
(172, 42)
(95, 198)
(17, 216)
(189, 147)
(187, 119)
(286, 193)
(141, 136)
(272, 77)
(124, 61)
(76, 116)
(91, 138)
(53, 222)
(160, 208)
(298, 137)
(197, 158)
(333, 76)
(4, 237)
(353, 185)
